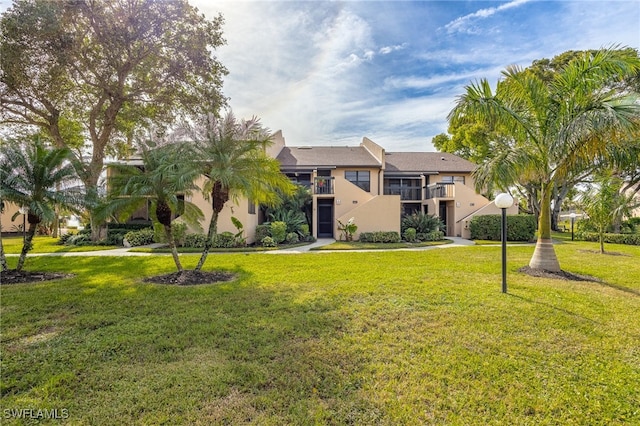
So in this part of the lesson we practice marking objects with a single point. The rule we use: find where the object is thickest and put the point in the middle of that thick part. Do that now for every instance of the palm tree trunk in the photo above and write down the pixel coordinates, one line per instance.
(26, 247)
(213, 229)
(601, 239)
(3, 258)
(172, 245)
(544, 256)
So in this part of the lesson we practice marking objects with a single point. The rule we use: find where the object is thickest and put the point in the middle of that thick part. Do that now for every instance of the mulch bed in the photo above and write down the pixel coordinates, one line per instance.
(562, 275)
(191, 278)
(19, 277)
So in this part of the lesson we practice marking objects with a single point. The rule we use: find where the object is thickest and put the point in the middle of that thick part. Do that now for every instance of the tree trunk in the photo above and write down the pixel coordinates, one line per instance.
(172, 245)
(544, 256)
(3, 258)
(601, 231)
(213, 229)
(26, 247)
(219, 196)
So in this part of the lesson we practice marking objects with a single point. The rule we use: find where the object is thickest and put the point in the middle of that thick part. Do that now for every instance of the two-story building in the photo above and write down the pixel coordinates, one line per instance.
(377, 188)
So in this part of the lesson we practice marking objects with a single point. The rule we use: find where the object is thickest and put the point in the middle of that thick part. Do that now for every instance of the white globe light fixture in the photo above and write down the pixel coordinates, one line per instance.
(573, 220)
(504, 201)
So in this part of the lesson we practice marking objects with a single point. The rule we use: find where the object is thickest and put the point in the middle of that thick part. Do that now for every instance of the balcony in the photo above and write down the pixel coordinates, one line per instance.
(440, 190)
(323, 185)
(406, 193)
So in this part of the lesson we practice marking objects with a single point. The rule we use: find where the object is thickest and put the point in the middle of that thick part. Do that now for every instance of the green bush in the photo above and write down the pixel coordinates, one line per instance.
(269, 242)
(380, 237)
(178, 229)
(224, 240)
(195, 240)
(304, 231)
(488, 227)
(422, 223)
(278, 231)
(292, 238)
(262, 231)
(430, 236)
(140, 238)
(629, 239)
(64, 238)
(79, 240)
(409, 235)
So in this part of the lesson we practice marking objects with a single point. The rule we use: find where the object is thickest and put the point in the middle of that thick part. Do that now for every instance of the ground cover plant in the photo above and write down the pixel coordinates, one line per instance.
(387, 338)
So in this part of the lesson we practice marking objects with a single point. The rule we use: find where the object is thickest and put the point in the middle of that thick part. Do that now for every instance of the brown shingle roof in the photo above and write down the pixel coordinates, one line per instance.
(326, 156)
(441, 162)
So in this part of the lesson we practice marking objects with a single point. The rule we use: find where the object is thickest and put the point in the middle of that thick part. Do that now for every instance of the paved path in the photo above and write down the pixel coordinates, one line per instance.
(123, 251)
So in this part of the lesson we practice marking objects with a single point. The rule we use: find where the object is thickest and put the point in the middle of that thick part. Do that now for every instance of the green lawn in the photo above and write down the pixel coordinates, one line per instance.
(357, 245)
(389, 338)
(44, 244)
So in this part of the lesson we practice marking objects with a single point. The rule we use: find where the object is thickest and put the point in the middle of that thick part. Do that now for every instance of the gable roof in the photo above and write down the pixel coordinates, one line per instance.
(440, 162)
(326, 156)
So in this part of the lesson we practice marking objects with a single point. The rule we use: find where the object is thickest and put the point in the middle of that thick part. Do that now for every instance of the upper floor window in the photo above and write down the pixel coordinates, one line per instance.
(452, 179)
(360, 178)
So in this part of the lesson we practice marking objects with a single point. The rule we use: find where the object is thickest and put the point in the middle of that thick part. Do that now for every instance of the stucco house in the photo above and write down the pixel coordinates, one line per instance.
(377, 188)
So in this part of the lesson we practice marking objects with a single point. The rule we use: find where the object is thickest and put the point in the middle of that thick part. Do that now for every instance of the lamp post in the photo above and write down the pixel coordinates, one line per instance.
(573, 219)
(504, 201)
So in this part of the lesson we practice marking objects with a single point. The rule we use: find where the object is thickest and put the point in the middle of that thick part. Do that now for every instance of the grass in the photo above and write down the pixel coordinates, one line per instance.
(357, 245)
(44, 244)
(388, 338)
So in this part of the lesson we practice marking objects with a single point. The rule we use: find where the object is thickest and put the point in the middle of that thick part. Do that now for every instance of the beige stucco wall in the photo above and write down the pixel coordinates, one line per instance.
(5, 219)
(380, 213)
(238, 209)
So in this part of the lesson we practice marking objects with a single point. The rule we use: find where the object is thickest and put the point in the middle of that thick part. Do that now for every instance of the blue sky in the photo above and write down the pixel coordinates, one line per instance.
(329, 73)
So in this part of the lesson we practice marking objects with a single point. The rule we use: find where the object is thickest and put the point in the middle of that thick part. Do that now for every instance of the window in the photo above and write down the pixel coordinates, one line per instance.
(359, 178)
(452, 179)
(252, 206)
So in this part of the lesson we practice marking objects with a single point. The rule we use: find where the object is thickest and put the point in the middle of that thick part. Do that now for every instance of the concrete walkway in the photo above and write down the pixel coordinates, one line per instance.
(124, 251)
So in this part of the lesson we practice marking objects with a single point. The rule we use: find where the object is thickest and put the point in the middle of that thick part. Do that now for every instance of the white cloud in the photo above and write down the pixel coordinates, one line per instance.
(462, 24)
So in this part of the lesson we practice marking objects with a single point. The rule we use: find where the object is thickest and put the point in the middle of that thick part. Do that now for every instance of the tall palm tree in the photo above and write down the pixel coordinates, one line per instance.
(38, 178)
(234, 162)
(555, 127)
(164, 175)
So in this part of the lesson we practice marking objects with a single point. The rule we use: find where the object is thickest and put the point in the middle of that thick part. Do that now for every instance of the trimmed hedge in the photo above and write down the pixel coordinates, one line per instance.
(379, 237)
(629, 239)
(140, 238)
(488, 227)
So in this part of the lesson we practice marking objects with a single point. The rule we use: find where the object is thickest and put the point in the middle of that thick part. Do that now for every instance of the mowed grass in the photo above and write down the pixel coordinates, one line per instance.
(45, 244)
(387, 338)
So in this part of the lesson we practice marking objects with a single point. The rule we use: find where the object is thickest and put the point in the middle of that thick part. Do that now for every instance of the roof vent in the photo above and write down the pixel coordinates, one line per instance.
(442, 158)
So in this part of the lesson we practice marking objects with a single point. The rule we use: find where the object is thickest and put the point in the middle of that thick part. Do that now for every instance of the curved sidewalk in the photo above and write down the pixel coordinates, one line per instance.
(124, 251)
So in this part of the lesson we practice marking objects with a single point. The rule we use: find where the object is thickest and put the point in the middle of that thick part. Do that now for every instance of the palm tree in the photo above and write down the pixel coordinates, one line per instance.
(605, 204)
(234, 162)
(164, 175)
(556, 127)
(38, 178)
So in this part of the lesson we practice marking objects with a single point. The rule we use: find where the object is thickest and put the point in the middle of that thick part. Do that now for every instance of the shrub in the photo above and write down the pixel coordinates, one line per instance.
(409, 235)
(178, 229)
(269, 242)
(488, 227)
(430, 236)
(224, 240)
(629, 239)
(380, 237)
(79, 240)
(292, 238)
(195, 240)
(64, 238)
(278, 231)
(422, 223)
(293, 218)
(140, 238)
(304, 231)
(262, 231)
